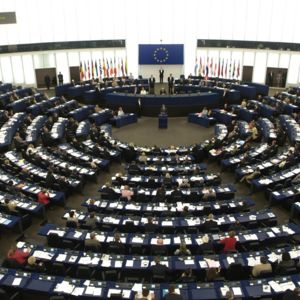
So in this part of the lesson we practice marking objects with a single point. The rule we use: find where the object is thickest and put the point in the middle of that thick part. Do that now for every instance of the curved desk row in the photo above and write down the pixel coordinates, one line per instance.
(41, 284)
(264, 236)
(177, 105)
(230, 96)
(173, 209)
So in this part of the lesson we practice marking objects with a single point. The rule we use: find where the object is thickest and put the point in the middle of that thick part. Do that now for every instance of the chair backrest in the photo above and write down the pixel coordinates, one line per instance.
(71, 224)
(3, 295)
(53, 240)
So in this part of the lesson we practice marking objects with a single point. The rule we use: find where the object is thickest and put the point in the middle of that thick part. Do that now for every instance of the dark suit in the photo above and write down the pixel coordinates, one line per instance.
(151, 84)
(173, 297)
(150, 227)
(171, 84)
(161, 76)
(210, 224)
(93, 243)
(160, 270)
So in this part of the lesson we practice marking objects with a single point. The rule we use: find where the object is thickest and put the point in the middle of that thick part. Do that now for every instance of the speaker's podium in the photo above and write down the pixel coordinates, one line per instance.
(162, 120)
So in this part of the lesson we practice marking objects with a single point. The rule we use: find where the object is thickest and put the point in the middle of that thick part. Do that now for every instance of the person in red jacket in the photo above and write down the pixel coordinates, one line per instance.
(18, 255)
(43, 197)
(229, 242)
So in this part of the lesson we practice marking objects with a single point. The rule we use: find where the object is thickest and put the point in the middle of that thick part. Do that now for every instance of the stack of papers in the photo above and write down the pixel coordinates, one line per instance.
(64, 287)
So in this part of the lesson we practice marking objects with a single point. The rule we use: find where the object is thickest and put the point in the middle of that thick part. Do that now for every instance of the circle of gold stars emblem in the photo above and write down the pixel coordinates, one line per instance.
(161, 55)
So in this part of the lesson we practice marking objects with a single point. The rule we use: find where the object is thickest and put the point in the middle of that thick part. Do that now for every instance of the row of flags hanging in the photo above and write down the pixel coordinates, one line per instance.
(113, 67)
(209, 67)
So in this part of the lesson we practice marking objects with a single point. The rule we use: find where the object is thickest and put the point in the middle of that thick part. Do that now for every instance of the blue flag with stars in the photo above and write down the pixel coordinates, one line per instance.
(161, 54)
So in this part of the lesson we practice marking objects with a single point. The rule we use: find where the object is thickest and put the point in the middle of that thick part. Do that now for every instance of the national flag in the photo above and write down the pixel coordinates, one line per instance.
(89, 70)
(96, 68)
(238, 70)
(111, 70)
(233, 71)
(229, 70)
(222, 68)
(104, 67)
(85, 70)
(206, 70)
(203, 67)
(219, 67)
(211, 66)
(226, 69)
(115, 67)
(93, 68)
(81, 72)
(196, 67)
(126, 66)
(100, 68)
(107, 68)
(122, 67)
(200, 66)
(216, 69)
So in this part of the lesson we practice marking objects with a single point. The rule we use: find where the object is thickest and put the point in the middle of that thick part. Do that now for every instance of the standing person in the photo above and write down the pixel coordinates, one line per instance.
(47, 80)
(161, 75)
(171, 83)
(151, 84)
(60, 78)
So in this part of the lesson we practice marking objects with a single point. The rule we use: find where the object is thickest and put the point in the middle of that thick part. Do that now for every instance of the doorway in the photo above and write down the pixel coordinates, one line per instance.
(247, 73)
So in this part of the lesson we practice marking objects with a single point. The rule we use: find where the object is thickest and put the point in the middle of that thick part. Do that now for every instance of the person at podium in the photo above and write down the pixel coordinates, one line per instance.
(163, 110)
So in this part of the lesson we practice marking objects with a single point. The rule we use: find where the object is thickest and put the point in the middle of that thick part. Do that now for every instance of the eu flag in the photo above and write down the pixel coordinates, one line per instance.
(165, 54)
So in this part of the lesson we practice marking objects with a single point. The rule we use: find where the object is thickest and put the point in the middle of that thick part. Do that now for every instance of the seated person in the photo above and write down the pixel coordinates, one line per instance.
(120, 112)
(172, 295)
(182, 250)
(114, 82)
(143, 158)
(244, 103)
(97, 108)
(145, 295)
(212, 274)
(127, 193)
(176, 194)
(210, 222)
(206, 245)
(91, 221)
(143, 91)
(292, 295)
(167, 180)
(184, 183)
(229, 242)
(92, 242)
(19, 256)
(10, 205)
(43, 197)
(162, 91)
(160, 194)
(159, 269)
(150, 226)
(72, 217)
(117, 242)
(185, 211)
(237, 226)
(188, 273)
(263, 266)
(204, 112)
(286, 263)
(34, 266)
(249, 177)
(208, 194)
